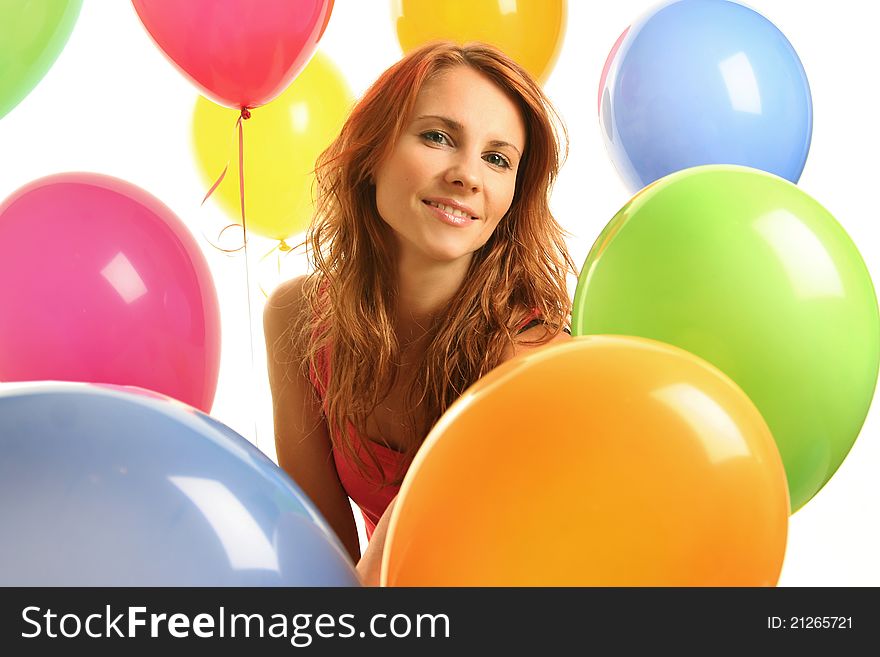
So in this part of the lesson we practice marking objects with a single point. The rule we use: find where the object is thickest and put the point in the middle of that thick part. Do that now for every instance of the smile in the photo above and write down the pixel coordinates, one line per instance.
(449, 214)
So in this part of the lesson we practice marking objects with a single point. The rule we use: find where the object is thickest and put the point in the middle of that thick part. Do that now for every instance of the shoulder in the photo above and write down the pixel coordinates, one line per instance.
(536, 337)
(288, 293)
(286, 304)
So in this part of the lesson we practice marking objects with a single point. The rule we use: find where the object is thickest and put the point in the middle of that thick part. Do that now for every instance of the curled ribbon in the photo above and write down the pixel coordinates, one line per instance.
(245, 115)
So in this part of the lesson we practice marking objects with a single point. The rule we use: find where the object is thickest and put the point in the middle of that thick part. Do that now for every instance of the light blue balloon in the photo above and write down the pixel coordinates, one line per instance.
(101, 486)
(705, 82)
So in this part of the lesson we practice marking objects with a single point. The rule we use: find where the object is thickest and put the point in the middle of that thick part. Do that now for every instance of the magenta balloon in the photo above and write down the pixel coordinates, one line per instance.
(101, 282)
(608, 61)
(239, 53)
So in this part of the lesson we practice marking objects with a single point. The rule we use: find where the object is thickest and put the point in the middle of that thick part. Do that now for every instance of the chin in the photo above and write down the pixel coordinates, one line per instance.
(448, 254)
(441, 248)
(447, 257)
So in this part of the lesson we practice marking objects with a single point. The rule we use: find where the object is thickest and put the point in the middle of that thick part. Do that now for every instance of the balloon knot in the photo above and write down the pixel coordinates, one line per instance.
(283, 247)
(245, 113)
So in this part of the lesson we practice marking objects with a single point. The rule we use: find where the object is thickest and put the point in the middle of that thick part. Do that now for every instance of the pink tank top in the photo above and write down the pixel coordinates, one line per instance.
(372, 499)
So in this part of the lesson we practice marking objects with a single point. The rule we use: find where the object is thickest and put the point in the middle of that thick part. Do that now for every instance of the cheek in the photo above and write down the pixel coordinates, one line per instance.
(386, 192)
(502, 200)
(395, 183)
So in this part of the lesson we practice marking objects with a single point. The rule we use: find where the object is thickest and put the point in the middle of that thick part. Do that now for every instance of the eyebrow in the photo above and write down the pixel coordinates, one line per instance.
(455, 125)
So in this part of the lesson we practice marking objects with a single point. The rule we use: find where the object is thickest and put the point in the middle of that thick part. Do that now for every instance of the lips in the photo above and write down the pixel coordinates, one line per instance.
(448, 218)
(452, 208)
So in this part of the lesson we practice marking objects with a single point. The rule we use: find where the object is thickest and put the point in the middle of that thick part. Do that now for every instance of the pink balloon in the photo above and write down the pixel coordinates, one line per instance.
(608, 62)
(101, 282)
(239, 53)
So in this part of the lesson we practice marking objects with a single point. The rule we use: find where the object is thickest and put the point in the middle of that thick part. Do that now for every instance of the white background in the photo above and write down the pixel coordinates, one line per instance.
(113, 104)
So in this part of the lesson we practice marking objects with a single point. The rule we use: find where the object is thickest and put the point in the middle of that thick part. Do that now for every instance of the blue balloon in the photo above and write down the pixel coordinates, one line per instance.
(101, 486)
(705, 82)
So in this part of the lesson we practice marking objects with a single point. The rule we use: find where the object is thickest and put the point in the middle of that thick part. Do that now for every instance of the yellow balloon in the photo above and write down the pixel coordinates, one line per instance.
(601, 461)
(529, 31)
(282, 140)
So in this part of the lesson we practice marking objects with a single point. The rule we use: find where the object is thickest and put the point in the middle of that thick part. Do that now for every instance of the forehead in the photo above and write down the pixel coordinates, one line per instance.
(470, 98)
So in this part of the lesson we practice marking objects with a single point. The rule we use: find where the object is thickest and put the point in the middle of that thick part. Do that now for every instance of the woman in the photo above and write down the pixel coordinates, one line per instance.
(435, 257)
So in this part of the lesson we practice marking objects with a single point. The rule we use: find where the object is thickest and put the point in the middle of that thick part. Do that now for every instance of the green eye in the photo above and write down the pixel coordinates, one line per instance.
(499, 160)
(434, 136)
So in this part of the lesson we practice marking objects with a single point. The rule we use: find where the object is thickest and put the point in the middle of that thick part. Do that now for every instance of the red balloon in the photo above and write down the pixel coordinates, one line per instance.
(101, 282)
(239, 53)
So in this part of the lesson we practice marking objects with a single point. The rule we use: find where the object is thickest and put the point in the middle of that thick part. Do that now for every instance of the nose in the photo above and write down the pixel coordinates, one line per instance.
(463, 173)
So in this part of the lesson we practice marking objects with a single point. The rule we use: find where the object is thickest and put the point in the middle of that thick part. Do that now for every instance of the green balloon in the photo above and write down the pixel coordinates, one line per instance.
(32, 34)
(745, 270)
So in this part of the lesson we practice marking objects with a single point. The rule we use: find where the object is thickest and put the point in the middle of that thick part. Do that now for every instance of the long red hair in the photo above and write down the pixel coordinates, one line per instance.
(351, 293)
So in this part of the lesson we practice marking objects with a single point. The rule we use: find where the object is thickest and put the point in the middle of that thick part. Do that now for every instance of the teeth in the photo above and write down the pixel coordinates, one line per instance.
(450, 210)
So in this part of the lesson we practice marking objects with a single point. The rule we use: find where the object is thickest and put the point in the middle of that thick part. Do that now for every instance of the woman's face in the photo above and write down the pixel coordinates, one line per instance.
(451, 176)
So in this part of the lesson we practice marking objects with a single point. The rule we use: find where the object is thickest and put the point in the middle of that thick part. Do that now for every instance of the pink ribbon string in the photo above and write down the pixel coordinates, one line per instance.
(245, 114)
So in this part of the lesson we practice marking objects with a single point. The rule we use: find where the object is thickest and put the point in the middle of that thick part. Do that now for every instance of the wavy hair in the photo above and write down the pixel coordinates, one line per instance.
(351, 292)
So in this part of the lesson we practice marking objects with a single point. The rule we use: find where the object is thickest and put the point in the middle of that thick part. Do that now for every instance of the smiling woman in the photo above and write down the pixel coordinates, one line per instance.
(435, 258)
(455, 164)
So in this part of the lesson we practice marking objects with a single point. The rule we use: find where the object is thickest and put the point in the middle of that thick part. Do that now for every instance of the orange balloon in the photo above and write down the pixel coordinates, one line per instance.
(601, 461)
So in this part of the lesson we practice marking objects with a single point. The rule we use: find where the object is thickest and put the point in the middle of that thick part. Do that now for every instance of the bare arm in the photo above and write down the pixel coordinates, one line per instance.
(370, 565)
(302, 440)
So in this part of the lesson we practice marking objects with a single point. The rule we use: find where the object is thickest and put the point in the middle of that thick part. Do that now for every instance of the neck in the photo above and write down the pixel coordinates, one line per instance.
(424, 289)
